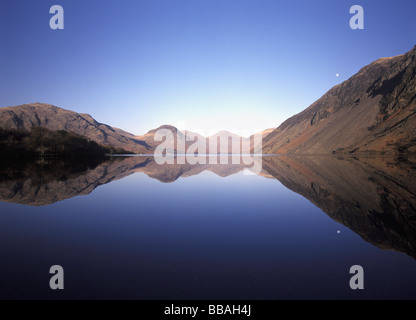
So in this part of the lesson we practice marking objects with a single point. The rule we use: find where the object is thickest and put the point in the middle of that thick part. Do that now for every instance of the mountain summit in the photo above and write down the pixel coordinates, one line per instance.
(53, 118)
(372, 112)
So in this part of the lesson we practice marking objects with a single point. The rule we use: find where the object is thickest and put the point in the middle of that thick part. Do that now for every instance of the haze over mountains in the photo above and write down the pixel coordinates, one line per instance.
(372, 112)
(54, 118)
(221, 142)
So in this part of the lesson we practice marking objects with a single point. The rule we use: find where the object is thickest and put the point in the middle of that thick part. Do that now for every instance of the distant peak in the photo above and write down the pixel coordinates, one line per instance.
(165, 126)
(38, 105)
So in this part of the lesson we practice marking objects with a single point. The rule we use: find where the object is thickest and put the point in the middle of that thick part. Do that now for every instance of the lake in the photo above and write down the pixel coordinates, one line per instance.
(129, 228)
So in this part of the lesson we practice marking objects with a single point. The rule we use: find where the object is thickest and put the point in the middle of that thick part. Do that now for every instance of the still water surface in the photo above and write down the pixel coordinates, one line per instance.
(132, 229)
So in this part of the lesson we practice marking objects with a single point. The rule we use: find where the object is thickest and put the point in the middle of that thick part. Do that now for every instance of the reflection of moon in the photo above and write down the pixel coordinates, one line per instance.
(337, 75)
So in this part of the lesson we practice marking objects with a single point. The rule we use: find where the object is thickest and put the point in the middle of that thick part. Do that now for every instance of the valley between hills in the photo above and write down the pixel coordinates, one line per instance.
(373, 112)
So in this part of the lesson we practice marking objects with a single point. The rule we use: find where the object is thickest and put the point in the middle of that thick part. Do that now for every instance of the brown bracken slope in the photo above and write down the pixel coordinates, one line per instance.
(372, 112)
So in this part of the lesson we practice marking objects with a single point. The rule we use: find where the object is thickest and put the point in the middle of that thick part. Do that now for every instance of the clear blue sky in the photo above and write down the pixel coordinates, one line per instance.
(197, 64)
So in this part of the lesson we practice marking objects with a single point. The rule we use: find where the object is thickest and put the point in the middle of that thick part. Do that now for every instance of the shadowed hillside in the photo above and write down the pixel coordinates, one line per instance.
(26, 116)
(20, 145)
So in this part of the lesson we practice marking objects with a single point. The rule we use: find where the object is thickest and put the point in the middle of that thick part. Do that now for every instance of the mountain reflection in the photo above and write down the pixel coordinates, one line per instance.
(374, 197)
(40, 184)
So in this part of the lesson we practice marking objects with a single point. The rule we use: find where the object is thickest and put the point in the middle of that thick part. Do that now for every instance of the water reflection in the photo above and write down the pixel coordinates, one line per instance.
(39, 184)
(374, 197)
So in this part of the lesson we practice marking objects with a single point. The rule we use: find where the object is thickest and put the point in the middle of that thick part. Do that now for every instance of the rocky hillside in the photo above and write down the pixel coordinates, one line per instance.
(28, 116)
(372, 112)
(53, 118)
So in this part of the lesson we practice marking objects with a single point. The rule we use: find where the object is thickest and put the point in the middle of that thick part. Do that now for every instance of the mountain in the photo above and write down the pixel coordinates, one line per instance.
(187, 138)
(227, 142)
(27, 116)
(254, 146)
(372, 112)
(178, 136)
(39, 143)
(266, 132)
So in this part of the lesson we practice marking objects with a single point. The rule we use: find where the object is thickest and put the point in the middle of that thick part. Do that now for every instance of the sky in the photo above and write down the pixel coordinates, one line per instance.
(202, 65)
